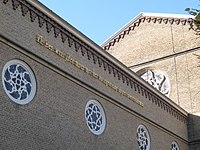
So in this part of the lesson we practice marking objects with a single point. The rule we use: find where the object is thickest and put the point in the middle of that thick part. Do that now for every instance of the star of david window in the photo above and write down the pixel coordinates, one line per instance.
(174, 146)
(18, 82)
(95, 117)
(143, 138)
(158, 80)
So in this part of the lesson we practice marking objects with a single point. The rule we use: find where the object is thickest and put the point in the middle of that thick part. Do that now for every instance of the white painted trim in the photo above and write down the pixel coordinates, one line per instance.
(32, 78)
(176, 144)
(147, 134)
(166, 15)
(102, 127)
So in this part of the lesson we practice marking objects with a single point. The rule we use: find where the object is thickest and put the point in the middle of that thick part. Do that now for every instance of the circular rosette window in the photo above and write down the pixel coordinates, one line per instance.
(95, 117)
(174, 146)
(143, 138)
(18, 82)
(158, 80)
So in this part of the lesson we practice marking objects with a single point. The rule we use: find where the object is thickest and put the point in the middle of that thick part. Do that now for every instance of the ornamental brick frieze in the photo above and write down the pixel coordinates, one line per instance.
(33, 16)
(5, 1)
(24, 10)
(57, 31)
(159, 20)
(15, 4)
(49, 26)
(91, 54)
(41, 21)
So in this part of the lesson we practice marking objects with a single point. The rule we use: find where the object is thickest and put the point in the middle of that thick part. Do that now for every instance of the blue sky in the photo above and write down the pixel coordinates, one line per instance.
(99, 19)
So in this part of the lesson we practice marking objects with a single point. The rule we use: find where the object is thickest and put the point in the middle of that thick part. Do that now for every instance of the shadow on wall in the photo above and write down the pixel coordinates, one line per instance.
(194, 131)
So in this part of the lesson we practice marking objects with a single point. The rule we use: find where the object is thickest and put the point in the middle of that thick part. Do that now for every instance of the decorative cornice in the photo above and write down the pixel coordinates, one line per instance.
(91, 54)
(149, 19)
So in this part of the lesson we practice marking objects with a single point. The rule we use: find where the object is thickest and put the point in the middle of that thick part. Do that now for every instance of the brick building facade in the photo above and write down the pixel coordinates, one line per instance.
(59, 90)
(163, 50)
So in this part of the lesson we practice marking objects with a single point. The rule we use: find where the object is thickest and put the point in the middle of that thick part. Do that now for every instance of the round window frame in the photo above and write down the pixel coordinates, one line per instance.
(102, 129)
(148, 134)
(174, 142)
(32, 77)
(141, 72)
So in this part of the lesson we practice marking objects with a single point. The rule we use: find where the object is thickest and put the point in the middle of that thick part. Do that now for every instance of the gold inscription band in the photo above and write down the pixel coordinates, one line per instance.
(66, 57)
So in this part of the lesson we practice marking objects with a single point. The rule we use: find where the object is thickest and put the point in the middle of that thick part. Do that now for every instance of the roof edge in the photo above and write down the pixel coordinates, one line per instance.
(167, 15)
(121, 29)
(146, 14)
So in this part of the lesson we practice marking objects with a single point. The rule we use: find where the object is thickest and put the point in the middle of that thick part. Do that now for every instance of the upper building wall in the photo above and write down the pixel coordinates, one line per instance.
(151, 37)
(70, 70)
(153, 44)
(161, 42)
